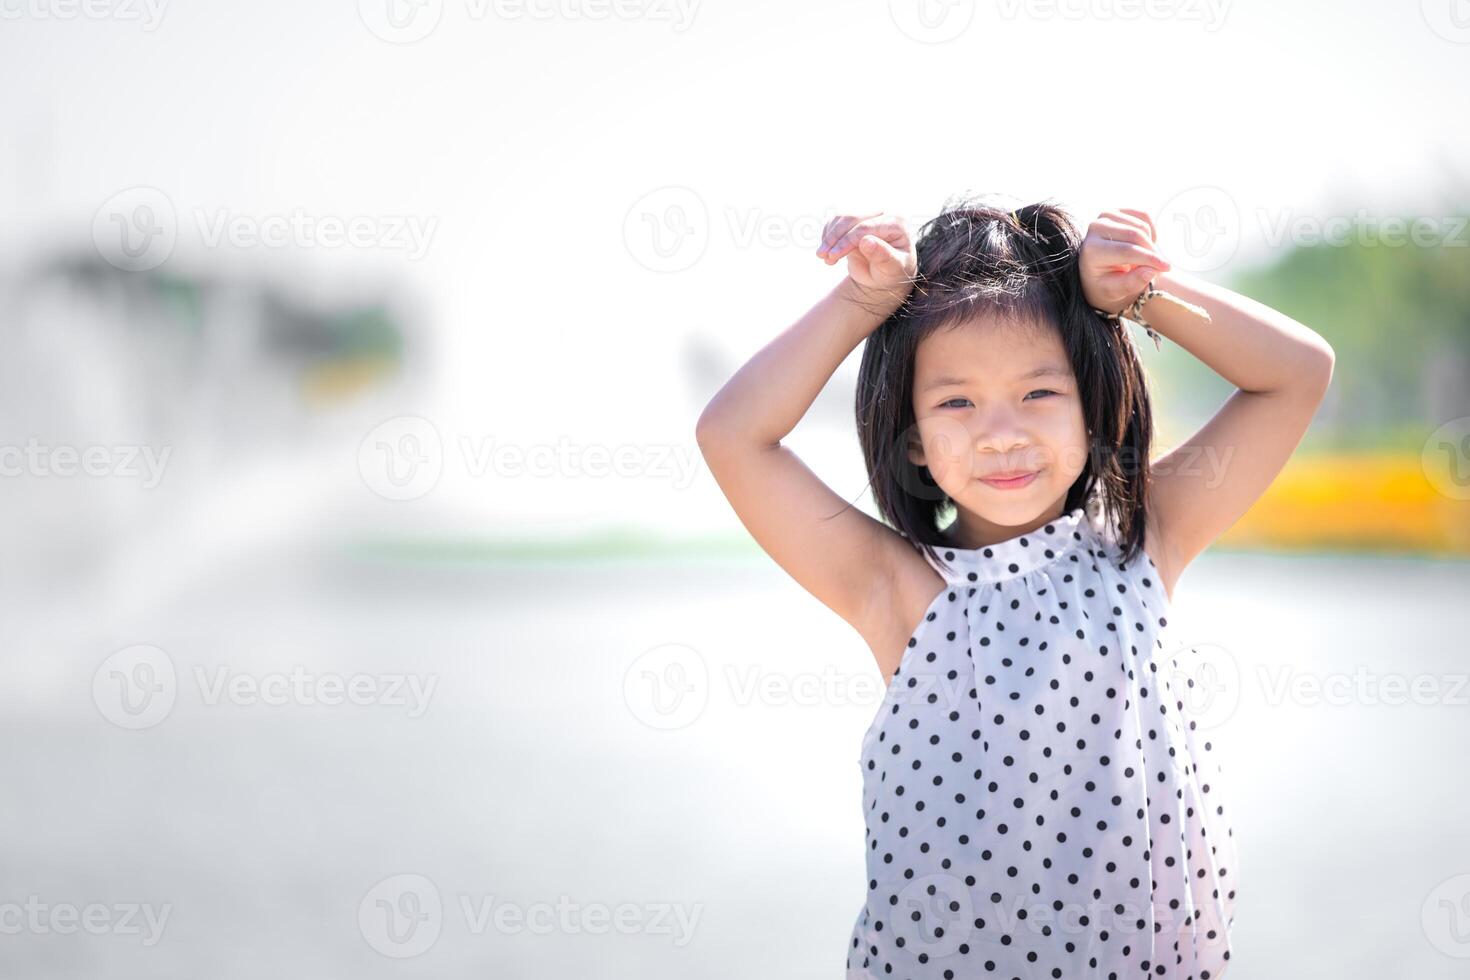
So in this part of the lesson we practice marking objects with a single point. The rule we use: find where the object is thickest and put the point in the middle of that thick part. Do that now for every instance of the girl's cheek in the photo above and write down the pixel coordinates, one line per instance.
(944, 438)
(947, 467)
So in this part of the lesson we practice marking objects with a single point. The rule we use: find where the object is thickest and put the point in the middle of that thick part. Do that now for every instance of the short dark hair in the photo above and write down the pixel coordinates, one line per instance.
(1021, 266)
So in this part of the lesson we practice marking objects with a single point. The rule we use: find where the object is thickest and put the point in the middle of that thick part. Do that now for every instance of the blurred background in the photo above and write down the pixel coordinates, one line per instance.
(366, 607)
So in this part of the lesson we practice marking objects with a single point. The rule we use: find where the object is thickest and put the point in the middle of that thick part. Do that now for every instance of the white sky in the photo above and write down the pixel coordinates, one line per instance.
(529, 140)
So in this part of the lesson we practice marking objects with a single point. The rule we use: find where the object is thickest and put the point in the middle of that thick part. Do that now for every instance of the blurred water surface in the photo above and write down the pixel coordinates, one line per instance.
(534, 786)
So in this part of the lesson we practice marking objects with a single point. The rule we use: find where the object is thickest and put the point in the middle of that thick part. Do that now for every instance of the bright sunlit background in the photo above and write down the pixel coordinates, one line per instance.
(367, 609)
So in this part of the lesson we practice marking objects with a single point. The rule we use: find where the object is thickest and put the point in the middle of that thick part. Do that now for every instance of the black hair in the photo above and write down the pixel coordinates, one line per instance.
(1021, 266)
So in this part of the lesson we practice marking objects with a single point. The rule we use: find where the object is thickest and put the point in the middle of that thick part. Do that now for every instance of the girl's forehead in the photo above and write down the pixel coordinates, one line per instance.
(989, 347)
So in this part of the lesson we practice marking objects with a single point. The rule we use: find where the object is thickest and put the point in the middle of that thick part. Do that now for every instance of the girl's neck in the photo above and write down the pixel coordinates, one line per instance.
(970, 531)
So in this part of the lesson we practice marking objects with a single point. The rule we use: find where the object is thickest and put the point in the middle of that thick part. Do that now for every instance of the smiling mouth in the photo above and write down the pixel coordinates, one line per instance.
(1010, 482)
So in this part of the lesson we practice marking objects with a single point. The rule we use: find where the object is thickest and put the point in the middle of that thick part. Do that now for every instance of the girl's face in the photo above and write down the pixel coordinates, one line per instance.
(993, 398)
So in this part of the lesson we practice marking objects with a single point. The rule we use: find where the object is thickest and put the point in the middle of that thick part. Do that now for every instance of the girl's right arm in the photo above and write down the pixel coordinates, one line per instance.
(839, 554)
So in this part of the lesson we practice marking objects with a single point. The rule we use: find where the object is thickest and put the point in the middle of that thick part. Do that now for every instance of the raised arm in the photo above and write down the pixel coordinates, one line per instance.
(839, 554)
(1281, 370)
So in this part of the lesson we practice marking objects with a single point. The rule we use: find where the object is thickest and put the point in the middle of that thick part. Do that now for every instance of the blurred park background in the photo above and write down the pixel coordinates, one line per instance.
(365, 606)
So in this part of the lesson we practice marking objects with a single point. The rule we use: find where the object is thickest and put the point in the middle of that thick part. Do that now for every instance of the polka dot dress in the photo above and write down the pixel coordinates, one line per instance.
(1038, 801)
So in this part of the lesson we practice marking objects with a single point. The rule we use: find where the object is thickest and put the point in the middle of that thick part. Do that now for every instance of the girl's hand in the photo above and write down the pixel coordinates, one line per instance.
(880, 253)
(1118, 258)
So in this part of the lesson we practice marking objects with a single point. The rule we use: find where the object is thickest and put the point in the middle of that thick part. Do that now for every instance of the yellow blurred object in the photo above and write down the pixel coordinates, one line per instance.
(1348, 501)
(340, 379)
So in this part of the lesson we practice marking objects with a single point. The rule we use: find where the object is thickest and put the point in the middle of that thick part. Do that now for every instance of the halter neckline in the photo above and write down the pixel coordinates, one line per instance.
(1014, 556)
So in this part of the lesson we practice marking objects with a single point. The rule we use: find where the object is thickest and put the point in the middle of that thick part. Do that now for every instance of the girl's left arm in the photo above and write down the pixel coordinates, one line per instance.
(1280, 368)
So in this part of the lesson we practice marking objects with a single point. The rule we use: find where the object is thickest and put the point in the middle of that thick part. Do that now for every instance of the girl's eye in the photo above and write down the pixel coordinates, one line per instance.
(960, 402)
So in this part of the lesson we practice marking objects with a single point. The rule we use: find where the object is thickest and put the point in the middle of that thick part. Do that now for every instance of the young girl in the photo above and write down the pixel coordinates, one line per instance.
(1038, 803)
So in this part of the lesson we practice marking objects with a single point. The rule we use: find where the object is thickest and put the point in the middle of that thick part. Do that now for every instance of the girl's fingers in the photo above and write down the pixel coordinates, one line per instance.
(1122, 219)
(834, 230)
(844, 238)
(846, 243)
(874, 226)
(837, 229)
(879, 252)
(1126, 253)
(1124, 231)
(1147, 221)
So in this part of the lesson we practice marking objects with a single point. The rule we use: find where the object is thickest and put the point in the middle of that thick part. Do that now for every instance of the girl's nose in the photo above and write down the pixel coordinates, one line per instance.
(1000, 433)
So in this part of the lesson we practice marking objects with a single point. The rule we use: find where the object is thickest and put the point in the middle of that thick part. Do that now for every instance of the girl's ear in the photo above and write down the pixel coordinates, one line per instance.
(915, 448)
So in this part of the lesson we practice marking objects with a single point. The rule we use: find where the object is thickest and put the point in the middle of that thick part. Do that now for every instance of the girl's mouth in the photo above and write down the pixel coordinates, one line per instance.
(1014, 483)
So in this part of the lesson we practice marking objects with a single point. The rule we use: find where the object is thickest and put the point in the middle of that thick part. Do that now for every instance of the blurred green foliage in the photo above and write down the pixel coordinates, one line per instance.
(1398, 318)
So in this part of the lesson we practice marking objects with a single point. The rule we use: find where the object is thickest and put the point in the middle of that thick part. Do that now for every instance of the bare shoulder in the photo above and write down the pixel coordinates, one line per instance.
(904, 593)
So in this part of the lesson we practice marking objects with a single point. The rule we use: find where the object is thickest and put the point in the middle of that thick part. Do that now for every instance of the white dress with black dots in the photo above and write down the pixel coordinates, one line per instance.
(1038, 802)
